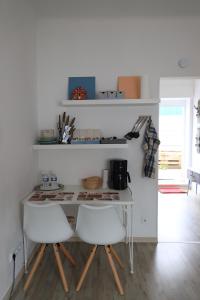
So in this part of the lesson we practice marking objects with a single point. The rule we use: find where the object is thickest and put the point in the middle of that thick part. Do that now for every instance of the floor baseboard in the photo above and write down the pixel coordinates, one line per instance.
(145, 240)
(135, 239)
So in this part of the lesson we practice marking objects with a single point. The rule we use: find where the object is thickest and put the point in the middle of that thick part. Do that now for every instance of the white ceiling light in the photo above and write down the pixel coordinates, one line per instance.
(183, 63)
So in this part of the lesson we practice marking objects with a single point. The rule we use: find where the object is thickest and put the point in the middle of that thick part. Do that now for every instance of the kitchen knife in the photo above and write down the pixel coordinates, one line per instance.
(67, 120)
(63, 121)
(72, 122)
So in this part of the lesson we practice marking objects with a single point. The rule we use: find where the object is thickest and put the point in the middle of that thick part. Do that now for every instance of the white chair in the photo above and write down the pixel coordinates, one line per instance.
(46, 223)
(100, 225)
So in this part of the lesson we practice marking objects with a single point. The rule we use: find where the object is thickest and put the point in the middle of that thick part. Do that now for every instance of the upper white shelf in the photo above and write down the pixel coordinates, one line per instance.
(110, 102)
(80, 146)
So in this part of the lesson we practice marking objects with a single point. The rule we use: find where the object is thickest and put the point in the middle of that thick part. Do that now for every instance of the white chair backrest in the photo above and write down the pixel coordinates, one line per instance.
(99, 225)
(46, 223)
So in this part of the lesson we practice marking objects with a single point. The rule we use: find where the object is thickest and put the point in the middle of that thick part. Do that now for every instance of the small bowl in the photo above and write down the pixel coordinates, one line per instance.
(92, 183)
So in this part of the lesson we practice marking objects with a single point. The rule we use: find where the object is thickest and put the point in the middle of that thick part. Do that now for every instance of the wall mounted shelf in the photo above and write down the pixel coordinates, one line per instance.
(110, 102)
(80, 147)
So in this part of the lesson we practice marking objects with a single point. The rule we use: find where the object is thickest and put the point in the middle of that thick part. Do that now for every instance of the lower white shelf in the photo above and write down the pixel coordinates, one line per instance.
(80, 146)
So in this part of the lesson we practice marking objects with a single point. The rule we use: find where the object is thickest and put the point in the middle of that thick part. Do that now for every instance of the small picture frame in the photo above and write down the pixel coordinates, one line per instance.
(85, 83)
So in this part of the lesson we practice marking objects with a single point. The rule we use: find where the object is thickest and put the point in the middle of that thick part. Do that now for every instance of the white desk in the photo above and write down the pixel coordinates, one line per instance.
(125, 201)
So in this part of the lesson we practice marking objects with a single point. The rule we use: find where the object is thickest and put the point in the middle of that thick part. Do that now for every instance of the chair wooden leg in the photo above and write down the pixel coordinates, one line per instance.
(67, 254)
(60, 267)
(113, 252)
(86, 268)
(114, 271)
(35, 266)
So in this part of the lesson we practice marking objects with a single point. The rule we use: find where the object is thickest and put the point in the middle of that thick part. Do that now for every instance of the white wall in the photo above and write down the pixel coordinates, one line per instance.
(110, 47)
(105, 39)
(68, 45)
(177, 87)
(17, 126)
(117, 8)
(72, 43)
(72, 165)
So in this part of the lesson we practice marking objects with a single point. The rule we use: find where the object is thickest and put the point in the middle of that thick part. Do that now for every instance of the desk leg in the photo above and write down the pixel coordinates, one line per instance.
(130, 239)
(125, 221)
(25, 253)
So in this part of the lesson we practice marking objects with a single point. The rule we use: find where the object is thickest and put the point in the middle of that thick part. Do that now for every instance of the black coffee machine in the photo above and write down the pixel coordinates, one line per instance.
(118, 175)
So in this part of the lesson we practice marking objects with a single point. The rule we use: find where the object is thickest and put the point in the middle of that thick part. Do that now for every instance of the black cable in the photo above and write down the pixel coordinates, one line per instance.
(13, 281)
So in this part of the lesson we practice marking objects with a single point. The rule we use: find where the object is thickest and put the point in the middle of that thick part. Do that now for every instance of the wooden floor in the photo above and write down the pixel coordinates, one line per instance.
(166, 271)
(179, 217)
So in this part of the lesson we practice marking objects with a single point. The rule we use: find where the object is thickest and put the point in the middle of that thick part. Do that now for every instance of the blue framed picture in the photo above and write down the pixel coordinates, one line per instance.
(84, 83)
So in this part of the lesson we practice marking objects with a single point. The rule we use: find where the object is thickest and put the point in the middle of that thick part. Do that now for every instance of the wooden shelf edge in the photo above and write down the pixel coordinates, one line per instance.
(80, 147)
(110, 102)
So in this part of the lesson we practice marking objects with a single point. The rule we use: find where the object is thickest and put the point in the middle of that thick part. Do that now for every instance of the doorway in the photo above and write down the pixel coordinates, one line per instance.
(178, 213)
(174, 132)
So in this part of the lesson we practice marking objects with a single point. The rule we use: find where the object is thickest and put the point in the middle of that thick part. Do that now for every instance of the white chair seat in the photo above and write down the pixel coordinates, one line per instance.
(46, 223)
(99, 225)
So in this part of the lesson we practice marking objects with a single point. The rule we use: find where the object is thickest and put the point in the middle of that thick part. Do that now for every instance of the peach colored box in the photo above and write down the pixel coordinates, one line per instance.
(130, 85)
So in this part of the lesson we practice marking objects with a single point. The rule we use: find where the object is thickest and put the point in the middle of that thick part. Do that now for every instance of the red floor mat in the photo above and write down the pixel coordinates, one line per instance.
(172, 190)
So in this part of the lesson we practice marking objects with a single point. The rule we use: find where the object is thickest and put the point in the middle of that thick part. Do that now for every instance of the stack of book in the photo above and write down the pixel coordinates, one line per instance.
(86, 136)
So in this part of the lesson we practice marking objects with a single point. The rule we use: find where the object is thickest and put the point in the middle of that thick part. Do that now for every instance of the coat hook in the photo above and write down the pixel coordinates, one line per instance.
(134, 133)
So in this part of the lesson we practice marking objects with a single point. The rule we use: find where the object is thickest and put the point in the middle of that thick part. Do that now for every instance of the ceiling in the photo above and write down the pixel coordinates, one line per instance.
(117, 8)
